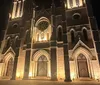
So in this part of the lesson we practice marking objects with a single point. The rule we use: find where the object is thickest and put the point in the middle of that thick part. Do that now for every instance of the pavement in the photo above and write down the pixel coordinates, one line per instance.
(46, 82)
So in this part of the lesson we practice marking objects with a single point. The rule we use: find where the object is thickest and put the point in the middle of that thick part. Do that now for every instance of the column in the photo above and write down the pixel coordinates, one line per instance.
(53, 43)
(15, 65)
(22, 8)
(74, 3)
(66, 56)
(68, 4)
(33, 68)
(49, 70)
(80, 3)
(53, 63)
(27, 64)
(65, 44)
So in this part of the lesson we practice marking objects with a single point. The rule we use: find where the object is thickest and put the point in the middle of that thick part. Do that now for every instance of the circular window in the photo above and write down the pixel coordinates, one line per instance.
(15, 26)
(76, 16)
(43, 25)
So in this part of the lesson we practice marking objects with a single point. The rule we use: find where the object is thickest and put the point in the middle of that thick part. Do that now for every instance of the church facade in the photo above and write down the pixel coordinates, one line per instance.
(58, 43)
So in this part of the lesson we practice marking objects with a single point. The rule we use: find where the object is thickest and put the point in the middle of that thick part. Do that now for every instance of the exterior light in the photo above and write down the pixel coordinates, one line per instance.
(18, 75)
(72, 76)
(30, 75)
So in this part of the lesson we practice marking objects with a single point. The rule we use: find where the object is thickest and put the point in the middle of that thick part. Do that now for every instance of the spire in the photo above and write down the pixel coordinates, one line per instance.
(33, 3)
(53, 3)
(53, 7)
(63, 9)
(62, 3)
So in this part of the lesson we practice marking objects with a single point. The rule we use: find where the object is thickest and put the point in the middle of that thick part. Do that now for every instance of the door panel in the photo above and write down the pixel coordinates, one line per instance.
(42, 68)
(83, 69)
(9, 68)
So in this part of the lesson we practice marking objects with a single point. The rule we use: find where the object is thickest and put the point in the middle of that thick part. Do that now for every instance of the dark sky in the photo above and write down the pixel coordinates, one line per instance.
(4, 7)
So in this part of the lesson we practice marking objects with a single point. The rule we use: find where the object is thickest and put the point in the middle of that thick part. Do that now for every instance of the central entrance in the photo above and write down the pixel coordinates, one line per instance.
(82, 66)
(42, 66)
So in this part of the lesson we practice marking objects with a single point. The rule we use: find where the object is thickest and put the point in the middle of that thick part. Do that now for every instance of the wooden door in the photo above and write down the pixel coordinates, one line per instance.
(42, 66)
(82, 66)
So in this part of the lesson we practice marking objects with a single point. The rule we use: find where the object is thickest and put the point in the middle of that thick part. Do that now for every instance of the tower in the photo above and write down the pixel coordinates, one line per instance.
(55, 43)
(81, 32)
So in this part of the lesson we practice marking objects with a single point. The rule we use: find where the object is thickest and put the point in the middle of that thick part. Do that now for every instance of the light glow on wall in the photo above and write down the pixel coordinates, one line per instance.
(72, 76)
(18, 75)
(74, 4)
(30, 74)
(96, 77)
(17, 10)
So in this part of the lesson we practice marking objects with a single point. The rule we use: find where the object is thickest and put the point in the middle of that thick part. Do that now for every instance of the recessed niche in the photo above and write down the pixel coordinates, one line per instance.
(76, 16)
(15, 26)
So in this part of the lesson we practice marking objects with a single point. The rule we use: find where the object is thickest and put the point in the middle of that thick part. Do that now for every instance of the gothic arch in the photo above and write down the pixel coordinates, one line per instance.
(8, 61)
(27, 36)
(8, 55)
(82, 50)
(42, 19)
(85, 33)
(59, 33)
(8, 42)
(72, 33)
(39, 53)
(34, 64)
(16, 41)
(88, 56)
(83, 67)
(42, 27)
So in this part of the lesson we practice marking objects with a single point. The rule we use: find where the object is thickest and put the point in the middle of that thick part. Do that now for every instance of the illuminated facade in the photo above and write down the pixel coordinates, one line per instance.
(59, 43)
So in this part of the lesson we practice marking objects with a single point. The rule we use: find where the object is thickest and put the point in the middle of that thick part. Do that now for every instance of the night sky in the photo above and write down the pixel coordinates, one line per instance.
(4, 7)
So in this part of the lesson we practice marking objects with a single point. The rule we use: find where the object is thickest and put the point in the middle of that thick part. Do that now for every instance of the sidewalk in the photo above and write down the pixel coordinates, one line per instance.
(46, 82)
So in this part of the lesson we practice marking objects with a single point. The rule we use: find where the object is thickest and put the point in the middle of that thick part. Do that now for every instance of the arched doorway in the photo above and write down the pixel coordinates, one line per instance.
(9, 69)
(42, 66)
(82, 66)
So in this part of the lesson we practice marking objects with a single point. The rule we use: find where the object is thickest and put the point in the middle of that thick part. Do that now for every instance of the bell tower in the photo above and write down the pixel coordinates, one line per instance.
(82, 30)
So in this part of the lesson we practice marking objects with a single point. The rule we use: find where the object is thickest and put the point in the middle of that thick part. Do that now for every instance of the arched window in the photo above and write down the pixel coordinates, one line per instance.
(16, 41)
(85, 34)
(59, 37)
(27, 37)
(9, 67)
(72, 36)
(8, 42)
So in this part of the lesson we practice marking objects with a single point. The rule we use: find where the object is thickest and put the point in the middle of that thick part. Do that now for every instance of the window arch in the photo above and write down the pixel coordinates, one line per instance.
(72, 36)
(59, 36)
(27, 40)
(16, 41)
(81, 57)
(85, 34)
